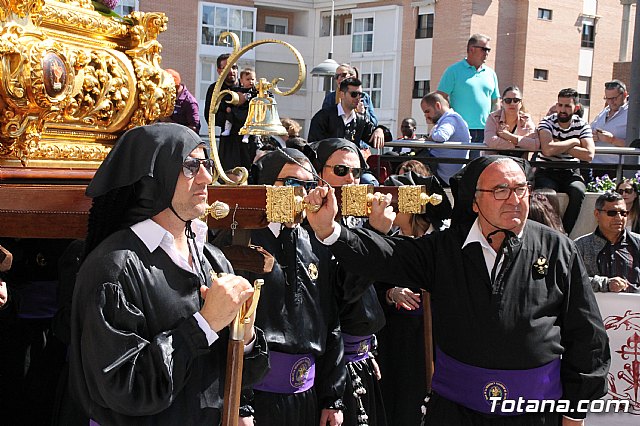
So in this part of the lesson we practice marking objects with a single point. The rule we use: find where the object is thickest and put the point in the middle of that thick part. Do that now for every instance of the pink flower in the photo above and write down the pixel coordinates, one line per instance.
(111, 4)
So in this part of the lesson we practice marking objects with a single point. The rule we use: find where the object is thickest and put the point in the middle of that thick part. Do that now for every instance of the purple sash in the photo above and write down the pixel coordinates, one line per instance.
(356, 348)
(472, 387)
(289, 373)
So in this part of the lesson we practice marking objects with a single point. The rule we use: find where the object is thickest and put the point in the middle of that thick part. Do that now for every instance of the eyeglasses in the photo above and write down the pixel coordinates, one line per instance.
(614, 213)
(355, 94)
(509, 100)
(613, 98)
(306, 184)
(191, 166)
(342, 170)
(627, 191)
(485, 49)
(343, 75)
(504, 193)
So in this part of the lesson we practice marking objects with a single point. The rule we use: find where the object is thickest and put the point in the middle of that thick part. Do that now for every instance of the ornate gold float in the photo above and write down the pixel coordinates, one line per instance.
(72, 80)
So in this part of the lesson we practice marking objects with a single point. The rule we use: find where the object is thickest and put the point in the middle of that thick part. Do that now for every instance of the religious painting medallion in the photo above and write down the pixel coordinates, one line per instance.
(54, 74)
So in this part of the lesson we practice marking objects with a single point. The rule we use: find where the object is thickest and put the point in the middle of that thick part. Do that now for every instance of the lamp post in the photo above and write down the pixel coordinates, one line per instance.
(327, 68)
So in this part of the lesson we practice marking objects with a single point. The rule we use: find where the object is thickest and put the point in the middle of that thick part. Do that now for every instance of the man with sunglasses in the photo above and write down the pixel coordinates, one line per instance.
(333, 98)
(149, 313)
(471, 87)
(343, 120)
(361, 316)
(611, 253)
(297, 311)
(610, 125)
(513, 312)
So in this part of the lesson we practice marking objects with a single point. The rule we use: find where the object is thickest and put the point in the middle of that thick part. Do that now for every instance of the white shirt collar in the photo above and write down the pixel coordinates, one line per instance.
(153, 236)
(346, 118)
(489, 254)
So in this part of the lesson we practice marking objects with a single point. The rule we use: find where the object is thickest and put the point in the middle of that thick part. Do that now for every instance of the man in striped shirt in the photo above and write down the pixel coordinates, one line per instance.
(565, 137)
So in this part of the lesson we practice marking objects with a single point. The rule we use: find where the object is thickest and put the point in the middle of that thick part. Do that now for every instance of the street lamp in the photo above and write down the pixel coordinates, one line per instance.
(328, 67)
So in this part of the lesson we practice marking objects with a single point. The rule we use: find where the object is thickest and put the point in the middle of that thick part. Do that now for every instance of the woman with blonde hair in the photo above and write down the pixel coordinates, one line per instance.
(511, 126)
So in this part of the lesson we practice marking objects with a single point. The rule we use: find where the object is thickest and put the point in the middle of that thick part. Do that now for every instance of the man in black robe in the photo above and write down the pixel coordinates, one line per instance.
(149, 315)
(361, 316)
(513, 312)
(298, 313)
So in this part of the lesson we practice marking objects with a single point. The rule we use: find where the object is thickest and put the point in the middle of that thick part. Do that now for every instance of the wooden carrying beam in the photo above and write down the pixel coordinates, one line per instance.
(62, 211)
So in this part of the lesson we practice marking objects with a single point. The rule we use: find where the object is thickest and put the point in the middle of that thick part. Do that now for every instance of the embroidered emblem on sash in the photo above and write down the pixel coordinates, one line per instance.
(363, 348)
(300, 372)
(495, 390)
(313, 271)
(541, 266)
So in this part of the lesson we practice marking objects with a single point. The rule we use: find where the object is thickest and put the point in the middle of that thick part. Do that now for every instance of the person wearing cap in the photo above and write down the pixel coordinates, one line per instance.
(297, 311)
(401, 341)
(514, 315)
(149, 315)
(610, 125)
(340, 162)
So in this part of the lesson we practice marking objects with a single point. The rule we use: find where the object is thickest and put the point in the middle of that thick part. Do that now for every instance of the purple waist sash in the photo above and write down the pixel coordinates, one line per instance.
(356, 348)
(289, 373)
(472, 387)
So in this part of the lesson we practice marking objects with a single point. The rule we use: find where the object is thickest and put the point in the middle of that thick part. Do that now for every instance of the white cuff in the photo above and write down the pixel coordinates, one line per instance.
(211, 335)
(333, 237)
(249, 347)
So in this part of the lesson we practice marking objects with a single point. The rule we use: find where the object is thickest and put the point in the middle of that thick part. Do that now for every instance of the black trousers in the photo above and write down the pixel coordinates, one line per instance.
(571, 183)
(443, 412)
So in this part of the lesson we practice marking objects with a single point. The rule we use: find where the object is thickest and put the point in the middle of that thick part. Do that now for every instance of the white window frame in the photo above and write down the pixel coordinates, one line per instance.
(277, 22)
(545, 14)
(361, 35)
(246, 29)
(374, 92)
(133, 4)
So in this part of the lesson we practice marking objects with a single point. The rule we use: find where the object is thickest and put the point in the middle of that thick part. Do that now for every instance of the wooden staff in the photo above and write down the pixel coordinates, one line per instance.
(428, 337)
(235, 360)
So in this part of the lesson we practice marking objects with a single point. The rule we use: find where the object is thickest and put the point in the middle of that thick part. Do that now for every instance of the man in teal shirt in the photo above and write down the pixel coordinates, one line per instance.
(472, 88)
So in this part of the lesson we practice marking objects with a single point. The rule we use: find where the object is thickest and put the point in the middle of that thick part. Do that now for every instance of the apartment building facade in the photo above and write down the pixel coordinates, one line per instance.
(402, 47)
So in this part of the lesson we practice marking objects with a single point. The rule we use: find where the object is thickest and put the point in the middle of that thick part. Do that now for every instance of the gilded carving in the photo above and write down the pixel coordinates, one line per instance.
(20, 8)
(284, 204)
(72, 80)
(356, 200)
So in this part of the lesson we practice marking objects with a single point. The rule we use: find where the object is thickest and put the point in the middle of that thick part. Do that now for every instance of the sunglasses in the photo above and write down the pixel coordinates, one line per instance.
(355, 94)
(508, 101)
(343, 75)
(614, 213)
(614, 85)
(342, 170)
(627, 191)
(306, 184)
(191, 166)
(613, 98)
(485, 49)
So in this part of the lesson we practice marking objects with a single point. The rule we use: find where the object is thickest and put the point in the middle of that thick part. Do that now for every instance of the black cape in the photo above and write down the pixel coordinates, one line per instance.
(137, 354)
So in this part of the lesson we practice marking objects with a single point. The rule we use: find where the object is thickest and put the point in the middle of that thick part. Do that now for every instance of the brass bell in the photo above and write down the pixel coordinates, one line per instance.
(263, 118)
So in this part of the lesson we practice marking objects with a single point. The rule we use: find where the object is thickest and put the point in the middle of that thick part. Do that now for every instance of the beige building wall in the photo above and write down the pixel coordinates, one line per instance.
(521, 42)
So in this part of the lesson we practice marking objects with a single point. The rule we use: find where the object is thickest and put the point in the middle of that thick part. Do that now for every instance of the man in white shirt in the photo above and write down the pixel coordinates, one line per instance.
(149, 312)
(610, 125)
